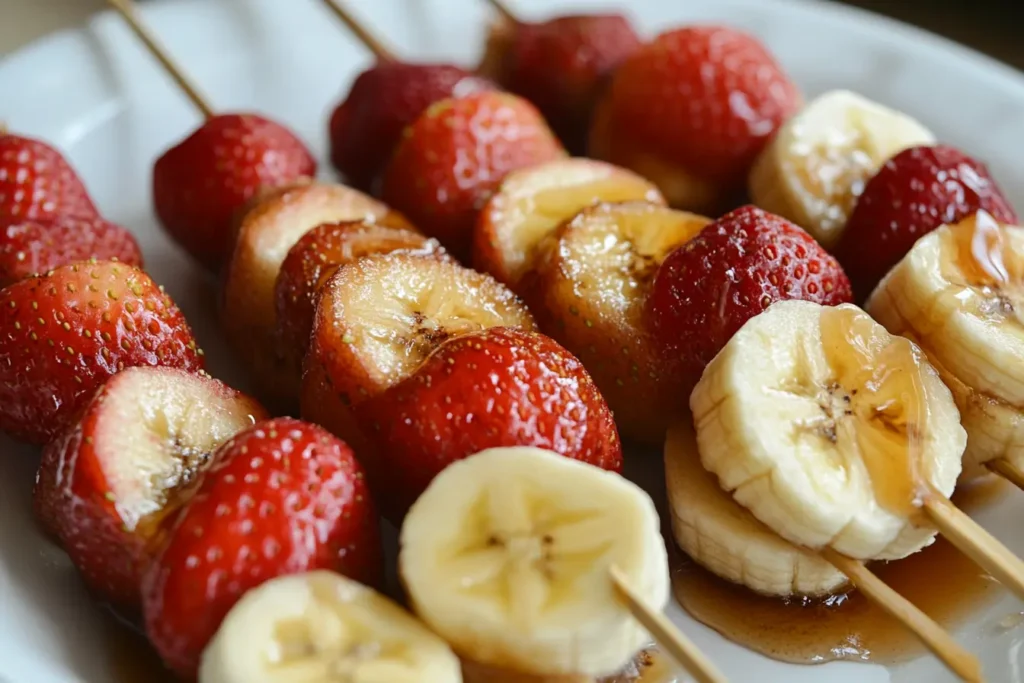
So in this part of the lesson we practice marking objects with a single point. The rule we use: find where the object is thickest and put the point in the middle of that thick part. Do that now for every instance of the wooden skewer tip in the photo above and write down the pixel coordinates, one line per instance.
(126, 8)
(667, 635)
(372, 43)
(937, 639)
(1008, 471)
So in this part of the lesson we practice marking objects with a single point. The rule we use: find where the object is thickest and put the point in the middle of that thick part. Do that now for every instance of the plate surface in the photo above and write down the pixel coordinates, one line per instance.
(96, 95)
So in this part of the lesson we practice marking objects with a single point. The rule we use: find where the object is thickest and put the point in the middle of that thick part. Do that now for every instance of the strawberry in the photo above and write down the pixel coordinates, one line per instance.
(454, 157)
(201, 184)
(915, 192)
(498, 387)
(315, 258)
(367, 126)
(129, 461)
(734, 269)
(64, 333)
(30, 246)
(282, 497)
(702, 101)
(561, 65)
(36, 181)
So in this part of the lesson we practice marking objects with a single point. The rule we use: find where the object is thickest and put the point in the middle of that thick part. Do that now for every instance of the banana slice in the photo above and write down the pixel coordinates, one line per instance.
(817, 164)
(726, 539)
(959, 293)
(320, 626)
(829, 430)
(588, 291)
(506, 556)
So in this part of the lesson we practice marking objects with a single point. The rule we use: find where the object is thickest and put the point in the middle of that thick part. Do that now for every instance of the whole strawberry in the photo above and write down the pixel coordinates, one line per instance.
(63, 334)
(691, 110)
(36, 181)
(915, 192)
(201, 184)
(30, 246)
(734, 269)
(367, 126)
(455, 155)
(497, 387)
(562, 65)
(282, 497)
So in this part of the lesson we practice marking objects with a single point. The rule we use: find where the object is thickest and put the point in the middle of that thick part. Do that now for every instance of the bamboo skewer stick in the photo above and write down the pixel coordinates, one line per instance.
(126, 8)
(937, 639)
(501, 8)
(1008, 471)
(972, 540)
(670, 638)
(372, 43)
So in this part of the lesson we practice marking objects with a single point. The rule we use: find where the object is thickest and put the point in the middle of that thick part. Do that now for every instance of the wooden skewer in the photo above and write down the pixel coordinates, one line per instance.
(373, 44)
(1007, 470)
(501, 8)
(937, 639)
(972, 540)
(670, 638)
(126, 8)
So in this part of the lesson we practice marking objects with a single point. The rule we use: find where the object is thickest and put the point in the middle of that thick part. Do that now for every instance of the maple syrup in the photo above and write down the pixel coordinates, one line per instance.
(881, 385)
(940, 580)
(976, 254)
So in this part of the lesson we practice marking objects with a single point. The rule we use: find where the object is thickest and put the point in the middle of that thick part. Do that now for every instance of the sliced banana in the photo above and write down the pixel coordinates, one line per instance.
(588, 291)
(320, 626)
(959, 293)
(829, 430)
(722, 536)
(818, 163)
(507, 555)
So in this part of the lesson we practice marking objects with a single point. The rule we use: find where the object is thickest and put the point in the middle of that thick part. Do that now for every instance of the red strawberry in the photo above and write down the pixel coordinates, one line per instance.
(36, 181)
(64, 333)
(201, 184)
(561, 66)
(30, 246)
(734, 269)
(455, 156)
(367, 126)
(317, 256)
(915, 192)
(497, 387)
(282, 497)
(701, 102)
(108, 481)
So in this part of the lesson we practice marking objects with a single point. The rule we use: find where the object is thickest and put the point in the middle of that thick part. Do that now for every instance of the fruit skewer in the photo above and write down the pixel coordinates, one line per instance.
(366, 37)
(126, 8)
(202, 183)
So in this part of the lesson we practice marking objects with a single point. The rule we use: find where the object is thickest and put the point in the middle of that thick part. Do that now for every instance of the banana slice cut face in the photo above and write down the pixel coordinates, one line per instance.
(722, 536)
(320, 626)
(830, 430)
(815, 168)
(507, 556)
(959, 293)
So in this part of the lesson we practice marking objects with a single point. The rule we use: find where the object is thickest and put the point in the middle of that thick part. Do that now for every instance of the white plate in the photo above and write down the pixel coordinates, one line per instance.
(96, 95)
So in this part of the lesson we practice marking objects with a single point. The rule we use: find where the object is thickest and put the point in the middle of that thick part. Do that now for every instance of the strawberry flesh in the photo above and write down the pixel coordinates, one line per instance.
(104, 486)
(32, 246)
(367, 126)
(62, 335)
(203, 183)
(915, 192)
(733, 270)
(498, 387)
(282, 497)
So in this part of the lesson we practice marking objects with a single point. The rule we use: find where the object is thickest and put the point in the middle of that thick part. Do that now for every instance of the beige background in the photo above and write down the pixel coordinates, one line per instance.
(983, 25)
